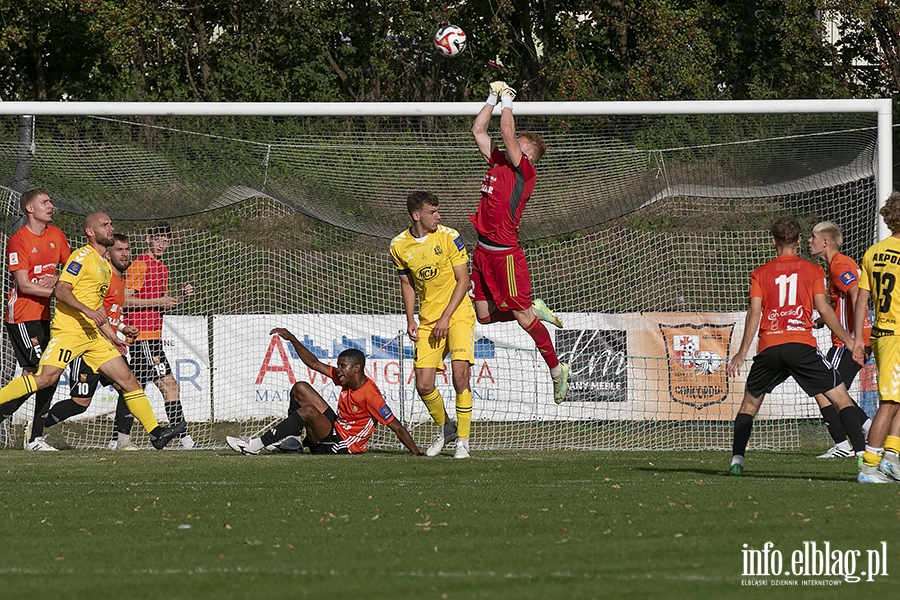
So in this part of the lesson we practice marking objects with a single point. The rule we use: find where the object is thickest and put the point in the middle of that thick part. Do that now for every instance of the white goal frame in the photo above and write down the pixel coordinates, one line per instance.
(881, 106)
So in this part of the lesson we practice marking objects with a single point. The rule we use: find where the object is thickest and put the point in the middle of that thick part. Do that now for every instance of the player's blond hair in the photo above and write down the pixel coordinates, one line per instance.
(831, 231)
(890, 212)
(537, 143)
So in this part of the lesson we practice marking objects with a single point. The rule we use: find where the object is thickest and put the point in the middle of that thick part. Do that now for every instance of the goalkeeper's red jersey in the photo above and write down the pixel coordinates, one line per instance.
(786, 286)
(357, 412)
(504, 192)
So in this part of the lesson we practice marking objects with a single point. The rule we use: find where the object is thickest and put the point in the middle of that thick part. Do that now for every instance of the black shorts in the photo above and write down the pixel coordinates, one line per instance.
(83, 381)
(28, 341)
(805, 364)
(842, 359)
(334, 443)
(148, 362)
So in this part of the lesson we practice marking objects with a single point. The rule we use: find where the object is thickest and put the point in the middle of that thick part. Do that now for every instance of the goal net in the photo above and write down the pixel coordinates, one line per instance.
(641, 233)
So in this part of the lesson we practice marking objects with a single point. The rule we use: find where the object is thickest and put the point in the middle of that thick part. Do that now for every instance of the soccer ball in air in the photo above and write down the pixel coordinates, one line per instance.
(450, 40)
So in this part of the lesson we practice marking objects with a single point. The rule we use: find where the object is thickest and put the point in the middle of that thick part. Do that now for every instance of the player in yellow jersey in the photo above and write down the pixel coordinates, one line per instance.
(80, 328)
(432, 262)
(880, 279)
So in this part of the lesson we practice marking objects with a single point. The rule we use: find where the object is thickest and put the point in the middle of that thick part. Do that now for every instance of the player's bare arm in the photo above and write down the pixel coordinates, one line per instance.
(860, 310)
(42, 288)
(480, 131)
(820, 301)
(403, 435)
(408, 293)
(508, 134)
(461, 272)
(309, 359)
(64, 294)
(163, 302)
(751, 325)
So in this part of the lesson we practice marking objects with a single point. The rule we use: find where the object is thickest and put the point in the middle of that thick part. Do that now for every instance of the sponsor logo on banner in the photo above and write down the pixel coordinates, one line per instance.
(696, 358)
(598, 362)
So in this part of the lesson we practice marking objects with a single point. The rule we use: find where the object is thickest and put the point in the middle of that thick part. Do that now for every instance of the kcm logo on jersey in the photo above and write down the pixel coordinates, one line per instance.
(696, 359)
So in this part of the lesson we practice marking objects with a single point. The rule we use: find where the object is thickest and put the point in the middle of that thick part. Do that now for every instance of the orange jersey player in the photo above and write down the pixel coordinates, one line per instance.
(360, 405)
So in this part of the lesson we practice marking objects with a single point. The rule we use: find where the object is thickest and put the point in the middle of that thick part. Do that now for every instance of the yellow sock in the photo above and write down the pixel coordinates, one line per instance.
(463, 413)
(139, 406)
(892, 444)
(18, 387)
(435, 405)
(870, 459)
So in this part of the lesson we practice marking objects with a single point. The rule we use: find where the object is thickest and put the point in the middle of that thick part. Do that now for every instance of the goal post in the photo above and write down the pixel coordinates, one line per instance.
(645, 222)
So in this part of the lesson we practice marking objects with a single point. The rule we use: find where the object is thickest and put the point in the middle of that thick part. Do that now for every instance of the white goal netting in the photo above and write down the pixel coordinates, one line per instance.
(641, 234)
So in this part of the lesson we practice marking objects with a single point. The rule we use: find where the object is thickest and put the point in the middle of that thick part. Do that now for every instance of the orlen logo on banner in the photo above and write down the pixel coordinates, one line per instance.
(696, 358)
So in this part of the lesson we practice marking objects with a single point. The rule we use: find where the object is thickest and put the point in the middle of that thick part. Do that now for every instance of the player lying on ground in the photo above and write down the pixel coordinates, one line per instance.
(360, 404)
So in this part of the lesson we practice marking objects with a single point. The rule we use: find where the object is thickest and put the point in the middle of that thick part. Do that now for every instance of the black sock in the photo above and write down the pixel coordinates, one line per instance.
(124, 418)
(293, 425)
(833, 423)
(8, 408)
(175, 413)
(63, 410)
(41, 405)
(743, 427)
(850, 420)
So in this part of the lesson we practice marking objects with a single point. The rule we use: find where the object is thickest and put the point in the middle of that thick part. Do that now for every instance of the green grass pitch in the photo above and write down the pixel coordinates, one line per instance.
(553, 524)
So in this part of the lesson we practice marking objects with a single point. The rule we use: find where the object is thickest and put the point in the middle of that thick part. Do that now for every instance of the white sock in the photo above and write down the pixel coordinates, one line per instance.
(555, 371)
(124, 439)
(737, 460)
(866, 426)
(845, 445)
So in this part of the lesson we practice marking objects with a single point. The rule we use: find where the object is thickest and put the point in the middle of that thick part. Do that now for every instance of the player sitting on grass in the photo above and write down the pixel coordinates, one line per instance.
(360, 404)
(783, 292)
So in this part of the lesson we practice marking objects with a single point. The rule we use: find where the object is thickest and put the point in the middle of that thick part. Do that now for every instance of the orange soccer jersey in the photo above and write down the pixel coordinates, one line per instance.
(114, 299)
(147, 277)
(357, 412)
(843, 274)
(39, 255)
(786, 285)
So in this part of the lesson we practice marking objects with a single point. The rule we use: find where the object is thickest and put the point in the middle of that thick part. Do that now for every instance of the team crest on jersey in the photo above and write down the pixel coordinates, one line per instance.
(35, 343)
(696, 356)
(438, 250)
(103, 290)
(428, 272)
(82, 377)
(52, 246)
(13, 259)
(848, 278)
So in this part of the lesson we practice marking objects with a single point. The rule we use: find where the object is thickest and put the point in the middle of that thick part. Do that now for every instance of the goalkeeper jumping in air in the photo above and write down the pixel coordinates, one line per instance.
(500, 277)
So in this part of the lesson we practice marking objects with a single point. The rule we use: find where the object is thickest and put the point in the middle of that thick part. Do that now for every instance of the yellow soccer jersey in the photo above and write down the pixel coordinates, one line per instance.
(429, 263)
(89, 273)
(881, 277)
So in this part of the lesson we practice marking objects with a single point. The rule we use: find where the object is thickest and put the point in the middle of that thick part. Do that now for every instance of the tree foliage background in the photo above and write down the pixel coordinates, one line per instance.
(315, 50)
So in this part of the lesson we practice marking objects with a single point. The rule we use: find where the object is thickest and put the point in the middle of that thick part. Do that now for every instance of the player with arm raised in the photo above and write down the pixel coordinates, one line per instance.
(501, 281)
(843, 287)
(33, 254)
(880, 280)
(80, 327)
(360, 405)
(783, 293)
(432, 263)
